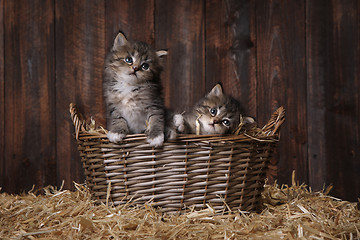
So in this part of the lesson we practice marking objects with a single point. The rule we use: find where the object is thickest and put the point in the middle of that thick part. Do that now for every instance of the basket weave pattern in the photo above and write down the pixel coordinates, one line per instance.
(193, 171)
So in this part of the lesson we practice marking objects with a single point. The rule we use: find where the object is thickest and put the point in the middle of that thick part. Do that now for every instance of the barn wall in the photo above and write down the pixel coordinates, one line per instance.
(281, 78)
(303, 55)
(2, 97)
(333, 103)
(80, 52)
(29, 143)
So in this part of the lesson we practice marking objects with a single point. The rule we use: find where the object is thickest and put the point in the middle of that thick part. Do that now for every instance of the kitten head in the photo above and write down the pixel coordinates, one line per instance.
(133, 62)
(218, 112)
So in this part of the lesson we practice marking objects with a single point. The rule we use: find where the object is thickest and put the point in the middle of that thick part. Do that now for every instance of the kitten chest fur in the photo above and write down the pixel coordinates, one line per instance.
(132, 100)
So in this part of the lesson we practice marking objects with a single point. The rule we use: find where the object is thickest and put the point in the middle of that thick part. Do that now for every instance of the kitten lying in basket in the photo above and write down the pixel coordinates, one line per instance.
(132, 91)
(216, 113)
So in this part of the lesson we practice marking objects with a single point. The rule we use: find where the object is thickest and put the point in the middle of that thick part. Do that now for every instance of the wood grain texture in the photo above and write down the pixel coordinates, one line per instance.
(281, 79)
(2, 98)
(230, 51)
(319, 75)
(29, 95)
(303, 55)
(80, 34)
(343, 117)
(333, 99)
(134, 18)
(180, 28)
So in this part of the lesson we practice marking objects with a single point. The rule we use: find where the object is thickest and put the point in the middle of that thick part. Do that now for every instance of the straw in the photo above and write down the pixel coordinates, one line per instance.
(289, 212)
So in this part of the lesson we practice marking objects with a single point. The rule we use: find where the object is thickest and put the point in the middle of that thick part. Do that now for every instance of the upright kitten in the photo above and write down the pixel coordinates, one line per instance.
(216, 113)
(132, 91)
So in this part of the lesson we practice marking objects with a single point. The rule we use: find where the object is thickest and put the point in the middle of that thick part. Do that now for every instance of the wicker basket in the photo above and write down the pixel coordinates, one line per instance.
(191, 172)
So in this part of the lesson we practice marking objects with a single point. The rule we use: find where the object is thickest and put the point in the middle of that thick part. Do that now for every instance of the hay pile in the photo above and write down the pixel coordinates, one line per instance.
(290, 212)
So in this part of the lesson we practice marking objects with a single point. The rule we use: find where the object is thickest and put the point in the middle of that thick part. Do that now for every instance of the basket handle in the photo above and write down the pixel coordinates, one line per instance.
(276, 120)
(77, 120)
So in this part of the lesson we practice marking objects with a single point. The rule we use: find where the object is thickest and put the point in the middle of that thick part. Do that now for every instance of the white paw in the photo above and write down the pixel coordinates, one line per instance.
(179, 122)
(157, 141)
(171, 134)
(115, 137)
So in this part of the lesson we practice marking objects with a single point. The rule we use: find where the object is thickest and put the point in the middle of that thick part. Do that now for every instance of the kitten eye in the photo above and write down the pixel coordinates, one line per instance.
(213, 111)
(226, 122)
(145, 66)
(128, 60)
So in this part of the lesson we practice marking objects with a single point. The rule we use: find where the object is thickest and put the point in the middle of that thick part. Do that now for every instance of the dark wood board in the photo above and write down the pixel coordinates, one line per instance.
(80, 40)
(2, 98)
(333, 97)
(134, 18)
(281, 79)
(343, 104)
(230, 51)
(179, 27)
(29, 112)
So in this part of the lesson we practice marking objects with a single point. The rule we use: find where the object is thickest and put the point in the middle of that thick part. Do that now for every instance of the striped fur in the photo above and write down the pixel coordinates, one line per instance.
(132, 91)
(216, 113)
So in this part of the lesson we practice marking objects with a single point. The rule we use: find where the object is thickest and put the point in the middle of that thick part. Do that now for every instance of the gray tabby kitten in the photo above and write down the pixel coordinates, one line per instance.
(132, 91)
(216, 113)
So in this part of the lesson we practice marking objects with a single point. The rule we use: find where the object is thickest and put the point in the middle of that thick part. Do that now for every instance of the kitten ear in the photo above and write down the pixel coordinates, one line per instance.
(119, 41)
(161, 53)
(216, 91)
(249, 122)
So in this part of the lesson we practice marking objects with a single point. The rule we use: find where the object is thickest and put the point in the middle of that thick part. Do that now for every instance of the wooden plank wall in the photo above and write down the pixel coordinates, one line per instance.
(281, 79)
(333, 100)
(29, 138)
(303, 55)
(2, 97)
(80, 39)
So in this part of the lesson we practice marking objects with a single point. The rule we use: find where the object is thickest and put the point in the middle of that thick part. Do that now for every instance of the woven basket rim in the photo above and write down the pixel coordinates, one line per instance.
(270, 130)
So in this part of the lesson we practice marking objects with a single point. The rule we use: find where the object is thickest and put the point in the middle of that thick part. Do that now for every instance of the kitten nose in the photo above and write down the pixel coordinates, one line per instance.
(136, 68)
(215, 121)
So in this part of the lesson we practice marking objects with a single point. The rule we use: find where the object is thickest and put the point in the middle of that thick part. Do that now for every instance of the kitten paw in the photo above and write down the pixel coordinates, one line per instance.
(179, 122)
(156, 141)
(171, 134)
(115, 137)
